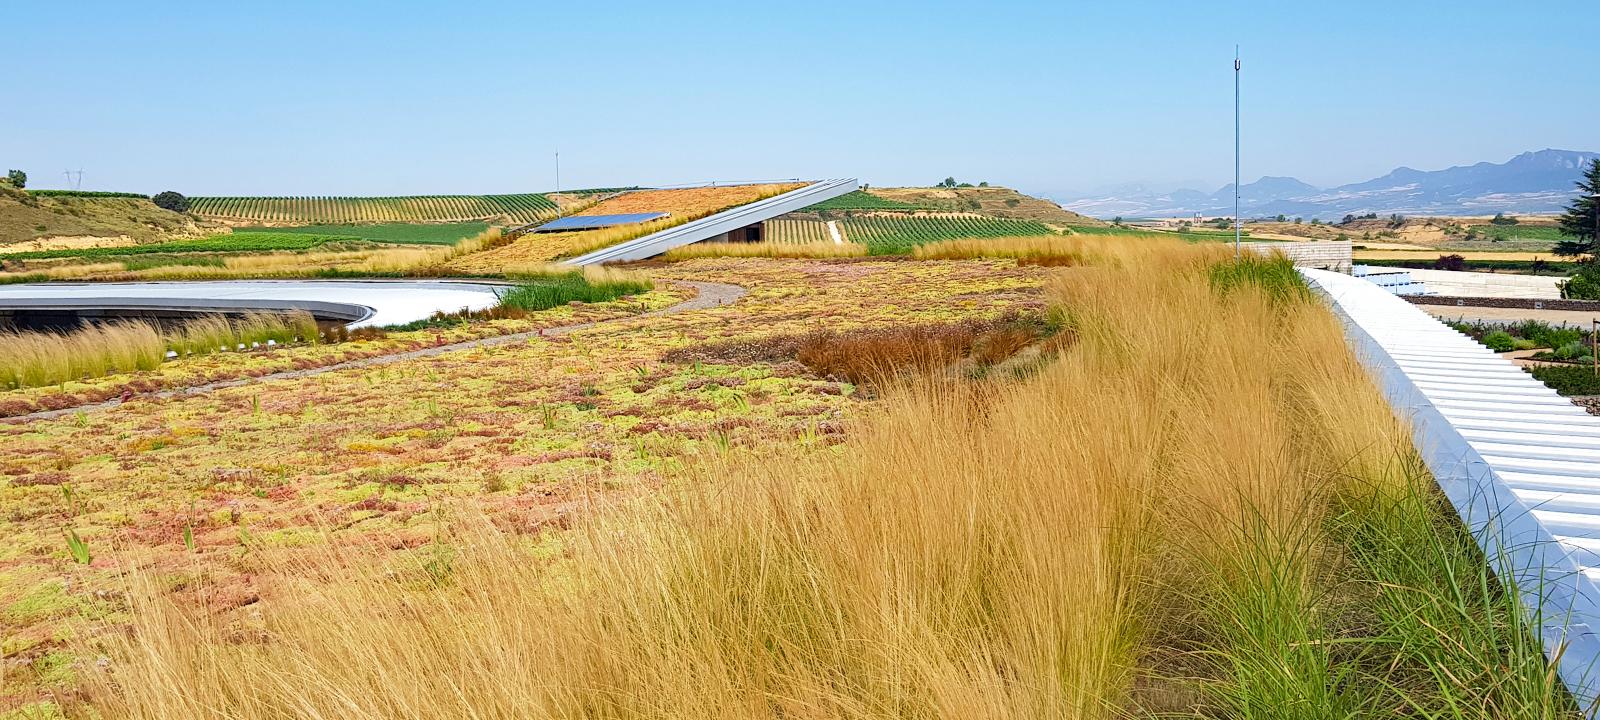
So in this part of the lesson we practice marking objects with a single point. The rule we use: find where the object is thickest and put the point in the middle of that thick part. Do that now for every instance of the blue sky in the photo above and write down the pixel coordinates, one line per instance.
(304, 98)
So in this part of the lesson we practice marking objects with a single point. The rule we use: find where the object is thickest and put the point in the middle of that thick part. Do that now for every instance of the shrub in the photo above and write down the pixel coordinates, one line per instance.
(86, 194)
(1571, 351)
(1568, 379)
(1584, 284)
(17, 178)
(1546, 335)
(1499, 341)
(170, 200)
(1456, 263)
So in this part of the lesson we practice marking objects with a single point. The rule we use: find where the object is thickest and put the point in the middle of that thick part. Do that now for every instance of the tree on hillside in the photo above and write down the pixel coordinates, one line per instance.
(17, 178)
(949, 182)
(985, 183)
(1502, 219)
(171, 201)
(1581, 221)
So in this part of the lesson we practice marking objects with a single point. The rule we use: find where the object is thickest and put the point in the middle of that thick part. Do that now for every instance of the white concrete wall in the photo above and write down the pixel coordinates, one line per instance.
(1474, 284)
(1331, 255)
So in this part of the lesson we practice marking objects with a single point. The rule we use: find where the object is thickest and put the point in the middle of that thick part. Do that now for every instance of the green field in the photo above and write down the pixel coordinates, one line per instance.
(241, 242)
(525, 208)
(1546, 233)
(1504, 238)
(1122, 231)
(411, 233)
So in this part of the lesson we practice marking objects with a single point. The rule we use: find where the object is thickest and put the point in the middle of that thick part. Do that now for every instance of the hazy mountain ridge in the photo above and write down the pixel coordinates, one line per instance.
(1533, 182)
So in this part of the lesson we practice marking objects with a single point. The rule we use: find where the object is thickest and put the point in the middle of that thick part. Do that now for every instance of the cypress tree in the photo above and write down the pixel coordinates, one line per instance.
(1581, 222)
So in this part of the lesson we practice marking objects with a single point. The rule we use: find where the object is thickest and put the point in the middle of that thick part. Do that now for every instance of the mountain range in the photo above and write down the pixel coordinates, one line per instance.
(1533, 182)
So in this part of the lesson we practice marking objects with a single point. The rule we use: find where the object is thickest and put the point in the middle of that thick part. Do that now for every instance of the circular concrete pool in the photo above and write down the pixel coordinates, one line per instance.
(360, 303)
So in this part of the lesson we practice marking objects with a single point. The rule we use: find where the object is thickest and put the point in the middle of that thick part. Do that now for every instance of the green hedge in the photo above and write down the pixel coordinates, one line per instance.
(86, 194)
(1568, 379)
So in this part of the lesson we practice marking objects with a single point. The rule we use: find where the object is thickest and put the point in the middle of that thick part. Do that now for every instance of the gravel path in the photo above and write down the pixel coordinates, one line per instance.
(1580, 318)
(709, 295)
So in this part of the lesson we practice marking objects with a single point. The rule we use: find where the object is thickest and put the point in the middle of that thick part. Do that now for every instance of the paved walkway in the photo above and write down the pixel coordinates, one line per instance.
(710, 295)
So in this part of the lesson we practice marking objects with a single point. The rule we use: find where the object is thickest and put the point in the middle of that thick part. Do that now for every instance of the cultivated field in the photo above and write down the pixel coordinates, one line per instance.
(404, 233)
(524, 208)
(888, 233)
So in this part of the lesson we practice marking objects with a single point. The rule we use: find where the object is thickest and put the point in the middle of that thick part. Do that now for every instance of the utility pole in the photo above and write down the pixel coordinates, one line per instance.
(1238, 223)
(558, 181)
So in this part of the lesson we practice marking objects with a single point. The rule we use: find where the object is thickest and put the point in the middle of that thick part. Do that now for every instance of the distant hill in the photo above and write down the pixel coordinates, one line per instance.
(1533, 182)
(996, 201)
(26, 217)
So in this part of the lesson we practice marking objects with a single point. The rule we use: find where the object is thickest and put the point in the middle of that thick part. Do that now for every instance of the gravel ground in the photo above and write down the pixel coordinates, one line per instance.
(1587, 402)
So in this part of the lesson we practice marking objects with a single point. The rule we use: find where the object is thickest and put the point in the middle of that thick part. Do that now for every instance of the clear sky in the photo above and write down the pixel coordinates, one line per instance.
(315, 98)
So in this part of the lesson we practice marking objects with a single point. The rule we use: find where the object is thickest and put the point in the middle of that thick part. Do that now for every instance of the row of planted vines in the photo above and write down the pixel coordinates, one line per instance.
(787, 231)
(898, 233)
(530, 207)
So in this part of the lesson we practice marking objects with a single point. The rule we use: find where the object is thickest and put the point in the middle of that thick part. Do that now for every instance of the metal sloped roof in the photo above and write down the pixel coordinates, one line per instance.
(1520, 463)
(714, 225)
(591, 222)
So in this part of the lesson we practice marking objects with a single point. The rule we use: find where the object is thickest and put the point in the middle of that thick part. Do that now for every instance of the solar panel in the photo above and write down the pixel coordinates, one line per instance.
(591, 222)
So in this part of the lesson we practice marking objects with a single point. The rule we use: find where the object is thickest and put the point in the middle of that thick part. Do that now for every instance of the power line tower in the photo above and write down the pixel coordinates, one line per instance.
(74, 178)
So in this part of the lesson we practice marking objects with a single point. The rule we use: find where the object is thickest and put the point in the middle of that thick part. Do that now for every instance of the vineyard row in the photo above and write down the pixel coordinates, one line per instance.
(525, 208)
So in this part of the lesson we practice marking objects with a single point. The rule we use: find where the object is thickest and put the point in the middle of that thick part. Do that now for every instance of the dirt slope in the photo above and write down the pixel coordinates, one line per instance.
(25, 217)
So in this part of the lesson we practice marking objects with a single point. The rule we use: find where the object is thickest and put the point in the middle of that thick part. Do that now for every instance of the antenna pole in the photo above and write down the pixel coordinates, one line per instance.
(1238, 223)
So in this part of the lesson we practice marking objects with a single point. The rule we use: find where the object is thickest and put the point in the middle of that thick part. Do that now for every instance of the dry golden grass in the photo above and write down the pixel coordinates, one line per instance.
(689, 201)
(594, 274)
(979, 550)
(1043, 250)
(66, 243)
(767, 250)
(62, 272)
(36, 359)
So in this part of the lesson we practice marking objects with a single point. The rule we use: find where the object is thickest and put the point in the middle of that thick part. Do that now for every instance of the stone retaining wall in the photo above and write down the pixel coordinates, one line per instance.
(1500, 302)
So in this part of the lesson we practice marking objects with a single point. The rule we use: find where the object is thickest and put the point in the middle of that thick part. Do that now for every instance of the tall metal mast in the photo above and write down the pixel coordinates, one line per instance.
(1238, 223)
